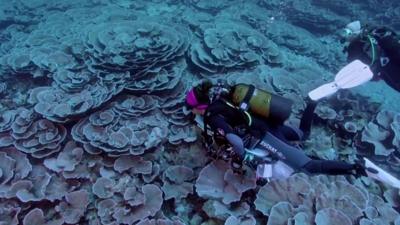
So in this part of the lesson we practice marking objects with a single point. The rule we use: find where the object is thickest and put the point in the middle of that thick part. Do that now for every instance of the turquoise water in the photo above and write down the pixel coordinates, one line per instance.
(93, 131)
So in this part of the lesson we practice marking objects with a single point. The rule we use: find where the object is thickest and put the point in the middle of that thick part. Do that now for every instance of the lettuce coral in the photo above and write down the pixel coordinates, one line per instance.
(229, 45)
(129, 125)
(315, 198)
(218, 181)
(37, 217)
(149, 206)
(382, 137)
(74, 206)
(92, 129)
(177, 182)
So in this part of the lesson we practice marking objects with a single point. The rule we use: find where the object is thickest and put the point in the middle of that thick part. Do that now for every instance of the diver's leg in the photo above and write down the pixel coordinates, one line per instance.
(291, 133)
(307, 118)
(292, 156)
(329, 167)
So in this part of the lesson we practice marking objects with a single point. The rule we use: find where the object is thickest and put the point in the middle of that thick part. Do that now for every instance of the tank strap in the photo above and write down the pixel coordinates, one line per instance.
(373, 43)
(247, 114)
(244, 104)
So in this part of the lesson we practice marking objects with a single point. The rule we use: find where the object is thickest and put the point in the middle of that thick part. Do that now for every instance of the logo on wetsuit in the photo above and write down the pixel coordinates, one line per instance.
(272, 150)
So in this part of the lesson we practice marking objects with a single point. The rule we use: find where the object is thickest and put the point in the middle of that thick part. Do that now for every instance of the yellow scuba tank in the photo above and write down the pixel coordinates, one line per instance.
(262, 103)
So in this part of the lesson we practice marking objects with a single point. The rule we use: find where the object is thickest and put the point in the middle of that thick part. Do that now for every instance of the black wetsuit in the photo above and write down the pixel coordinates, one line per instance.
(379, 48)
(224, 119)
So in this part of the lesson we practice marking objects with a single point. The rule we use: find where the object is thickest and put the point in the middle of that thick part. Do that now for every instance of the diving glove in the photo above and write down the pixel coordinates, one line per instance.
(237, 144)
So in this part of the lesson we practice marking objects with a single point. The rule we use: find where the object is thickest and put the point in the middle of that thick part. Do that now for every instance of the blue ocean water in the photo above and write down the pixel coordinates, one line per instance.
(93, 128)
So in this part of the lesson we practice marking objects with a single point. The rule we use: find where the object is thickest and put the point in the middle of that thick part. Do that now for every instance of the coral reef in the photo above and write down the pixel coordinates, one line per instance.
(381, 137)
(131, 125)
(228, 45)
(325, 203)
(92, 129)
(217, 181)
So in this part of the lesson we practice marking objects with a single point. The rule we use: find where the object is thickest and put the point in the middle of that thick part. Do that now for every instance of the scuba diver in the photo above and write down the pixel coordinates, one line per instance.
(247, 117)
(232, 112)
(377, 47)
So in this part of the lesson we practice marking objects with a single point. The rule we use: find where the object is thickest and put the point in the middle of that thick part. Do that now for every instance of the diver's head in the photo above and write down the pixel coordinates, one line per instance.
(351, 31)
(197, 99)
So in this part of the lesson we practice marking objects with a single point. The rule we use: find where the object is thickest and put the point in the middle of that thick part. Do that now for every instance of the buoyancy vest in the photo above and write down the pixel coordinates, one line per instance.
(379, 46)
(250, 100)
(381, 49)
(389, 41)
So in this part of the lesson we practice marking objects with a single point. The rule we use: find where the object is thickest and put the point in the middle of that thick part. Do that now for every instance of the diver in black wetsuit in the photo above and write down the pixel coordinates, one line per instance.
(227, 120)
(378, 47)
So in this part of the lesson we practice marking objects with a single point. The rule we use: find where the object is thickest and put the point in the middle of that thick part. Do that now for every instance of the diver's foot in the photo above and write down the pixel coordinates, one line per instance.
(360, 169)
(262, 181)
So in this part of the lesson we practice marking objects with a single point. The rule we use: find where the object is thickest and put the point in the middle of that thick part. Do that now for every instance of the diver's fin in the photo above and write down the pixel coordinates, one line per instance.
(352, 75)
(378, 173)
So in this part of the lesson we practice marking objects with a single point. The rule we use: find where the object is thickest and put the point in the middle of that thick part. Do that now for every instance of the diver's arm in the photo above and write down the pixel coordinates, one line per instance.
(218, 123)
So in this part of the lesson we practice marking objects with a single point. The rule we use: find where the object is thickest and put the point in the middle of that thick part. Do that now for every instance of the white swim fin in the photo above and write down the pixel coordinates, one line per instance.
(352, 75)
(378, 173)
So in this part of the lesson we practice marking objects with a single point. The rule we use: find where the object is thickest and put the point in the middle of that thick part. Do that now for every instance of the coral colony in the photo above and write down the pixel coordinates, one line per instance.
(93, 131)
